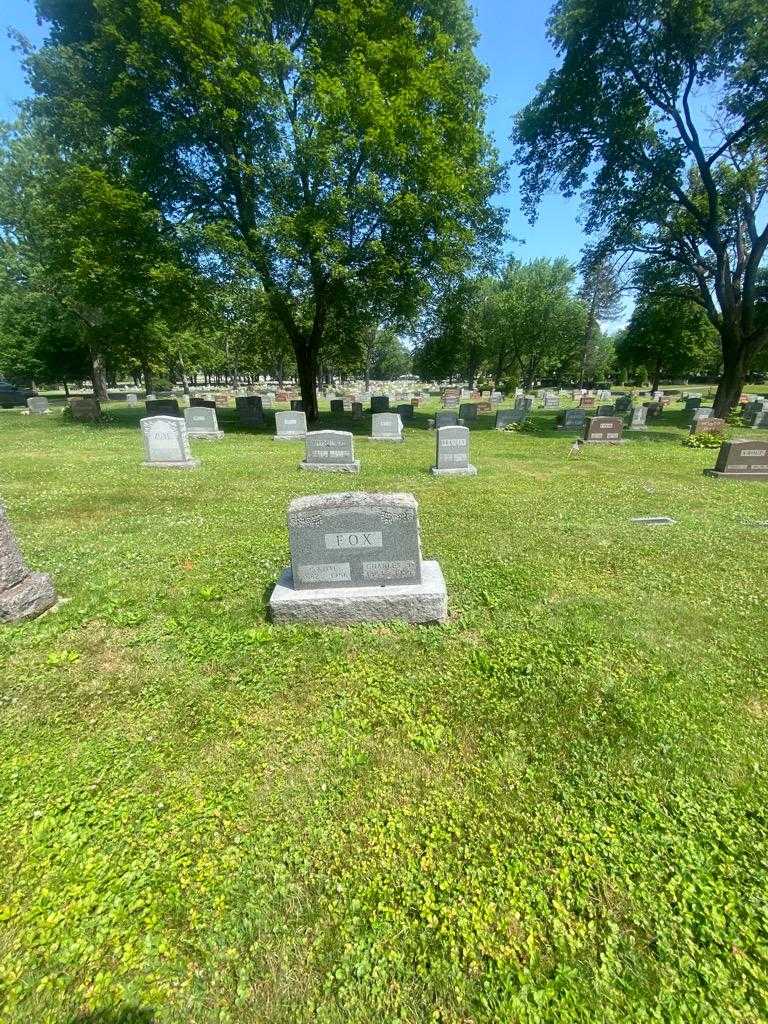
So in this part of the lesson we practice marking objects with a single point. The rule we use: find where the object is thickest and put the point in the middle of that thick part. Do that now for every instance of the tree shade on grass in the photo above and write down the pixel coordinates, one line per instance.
(553, 808)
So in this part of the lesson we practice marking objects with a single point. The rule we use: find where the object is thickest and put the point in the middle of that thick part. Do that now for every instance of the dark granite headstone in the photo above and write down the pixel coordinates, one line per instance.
(337, 406)
(250, 411)
(297, 405)
(603, 430)
(506, 416)
(405, 411)
(85, 410)
(163, 407)
(572, 419)
(742, 459)
(446, 418)
(379, 403)
(468, 412)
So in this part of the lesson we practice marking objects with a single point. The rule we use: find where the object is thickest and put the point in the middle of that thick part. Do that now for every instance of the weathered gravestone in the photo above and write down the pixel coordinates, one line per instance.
(760, 419)
(250, 411)
(587, 402)
(357, 558)
(551, 401)
(357, 411)
(331, 451)
(639, 416)
(451, 401)
(707, 425)
(703, 412)
(405, 411)
(572, 419)
(166, 444)
(386, 426)
(291, 426)
(379, 404)
(623, 403)
(85, 410)
(202, 403)
(603, 430)
(202, 424)
(163, 407)
(606, 410)
(337, 406)
(468, 412)
(37, 406)
(692, 402)
(444, 418)
(506, 416)
(297, 405)
(452, 456)
(741, 460)
(23, 594)
(132, 399)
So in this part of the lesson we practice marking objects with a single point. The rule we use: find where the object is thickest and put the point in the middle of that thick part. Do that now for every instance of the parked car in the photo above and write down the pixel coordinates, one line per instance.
(10, 395)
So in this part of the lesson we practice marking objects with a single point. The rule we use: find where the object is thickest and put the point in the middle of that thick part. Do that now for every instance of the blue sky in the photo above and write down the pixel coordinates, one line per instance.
(513, 45)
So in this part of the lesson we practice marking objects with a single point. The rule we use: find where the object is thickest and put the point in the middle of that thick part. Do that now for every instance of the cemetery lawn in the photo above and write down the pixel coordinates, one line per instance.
(553, 809)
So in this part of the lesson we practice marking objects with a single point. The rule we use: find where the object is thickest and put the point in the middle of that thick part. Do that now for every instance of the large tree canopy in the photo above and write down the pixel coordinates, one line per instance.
(659, 109)
(336, 145)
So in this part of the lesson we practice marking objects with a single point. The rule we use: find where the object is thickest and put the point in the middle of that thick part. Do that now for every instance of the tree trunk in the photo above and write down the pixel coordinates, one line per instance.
(656, 377)
(66, 389)
(99, 377)
(183, 372)
(732, 378)
(306, 362)
(147, 374)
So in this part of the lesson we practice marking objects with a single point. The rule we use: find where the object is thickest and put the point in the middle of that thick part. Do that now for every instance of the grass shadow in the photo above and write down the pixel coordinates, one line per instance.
(122, 1015)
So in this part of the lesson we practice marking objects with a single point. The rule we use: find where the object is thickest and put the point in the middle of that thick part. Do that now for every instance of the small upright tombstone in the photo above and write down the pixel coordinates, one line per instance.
(202, 403)
(603, 430)
(623, 403)
(379, 404)
(337, 406)
(742, 459)
(166, 443)
(405, 411)
(587, 402)
(386, 426)
(444, 418)
(692, 402)
(452, 457)
(85, 410)
(357, 411)
(703, 413)
(504, 417)
(250, 410)
(163, 407)
(357, 558)
(638, 421)
(468, 412)
(606, 410)
(23, 594)
(551, 400)
(202, 424)
(760, 419)
(330, 451)
(37, 406)
(707, 425)
(572, 419)
(291, 426)
(297, 405)
(132, 399)
(450, 401)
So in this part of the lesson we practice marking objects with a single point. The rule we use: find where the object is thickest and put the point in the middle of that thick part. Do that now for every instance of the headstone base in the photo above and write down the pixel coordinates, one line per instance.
(289, 437)
(416, 602)
(397, 440)
(464, 471)
(192, 464)
(209, 435)
(28, 599)
(735, 475)
(339, 467)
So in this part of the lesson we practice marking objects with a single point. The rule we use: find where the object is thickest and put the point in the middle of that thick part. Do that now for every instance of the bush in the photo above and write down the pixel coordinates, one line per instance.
(703, 440)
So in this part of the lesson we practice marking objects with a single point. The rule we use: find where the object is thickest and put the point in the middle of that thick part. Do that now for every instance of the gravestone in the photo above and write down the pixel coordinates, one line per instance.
(405, 411)
(506, 416)
(297, 405)
(330, 451)
(23, 594)
(379, 404)
(357, 558)
(572, 419)
(291, 426)
(163, 407)
(691, 403)
(702, 413)
(444, 418)
(742, 459)
(623, 403)
(85, 410)
(603, 430)
(451, 402)
(760, 419)
(337, 406)
(707, 425)
(202, 424)
(132, 399)
(606, 410)
(587, 402)
(639, 416)
(221, 400)
(468, 412)
(268, 400)
(250, 411)
(551, 401)
(357, 411)
(166, 444)
(37, 406)
(452, 455)
(386, 426)
(202, 403)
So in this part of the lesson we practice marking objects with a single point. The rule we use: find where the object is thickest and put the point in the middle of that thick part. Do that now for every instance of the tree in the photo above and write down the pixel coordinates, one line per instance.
(659, 109)
(668, 338)
(601, 294)
(93, 252)
(337, 146)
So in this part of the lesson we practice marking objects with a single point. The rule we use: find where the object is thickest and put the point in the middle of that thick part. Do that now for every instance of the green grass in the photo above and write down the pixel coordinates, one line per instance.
(553, 809)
